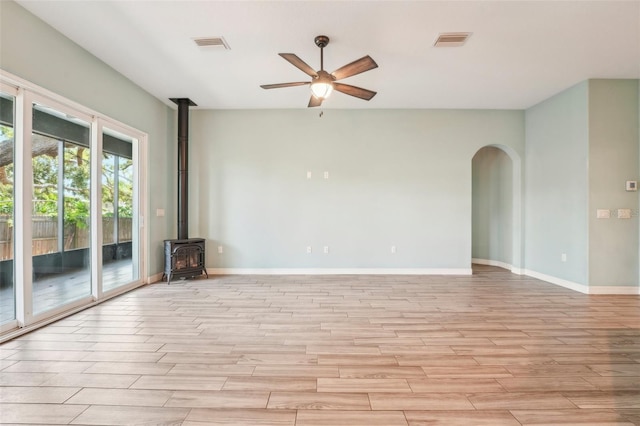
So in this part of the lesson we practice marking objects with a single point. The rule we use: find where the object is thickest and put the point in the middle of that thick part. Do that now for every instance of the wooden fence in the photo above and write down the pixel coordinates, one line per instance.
(45, 234)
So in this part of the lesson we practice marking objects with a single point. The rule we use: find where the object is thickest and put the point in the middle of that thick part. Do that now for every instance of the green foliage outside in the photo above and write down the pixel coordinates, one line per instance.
(76, 183)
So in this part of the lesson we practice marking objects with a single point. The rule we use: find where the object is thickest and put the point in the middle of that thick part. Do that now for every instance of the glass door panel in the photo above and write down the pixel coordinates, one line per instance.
(61, 209)
(120, 254)
(7, 146)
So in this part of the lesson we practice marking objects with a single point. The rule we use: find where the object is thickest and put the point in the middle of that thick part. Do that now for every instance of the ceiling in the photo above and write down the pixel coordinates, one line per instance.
(519, 53)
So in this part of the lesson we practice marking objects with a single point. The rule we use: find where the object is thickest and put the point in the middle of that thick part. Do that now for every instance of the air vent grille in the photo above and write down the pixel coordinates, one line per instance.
(451, 39)
(212, 42)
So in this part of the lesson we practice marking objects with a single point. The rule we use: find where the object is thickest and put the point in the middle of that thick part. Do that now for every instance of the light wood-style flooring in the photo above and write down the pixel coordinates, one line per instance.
(488, 349)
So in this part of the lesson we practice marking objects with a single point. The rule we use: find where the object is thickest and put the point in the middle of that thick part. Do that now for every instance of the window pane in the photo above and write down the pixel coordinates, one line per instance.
(108, 194)
(7, 292)
(61, 222)
(119, 235)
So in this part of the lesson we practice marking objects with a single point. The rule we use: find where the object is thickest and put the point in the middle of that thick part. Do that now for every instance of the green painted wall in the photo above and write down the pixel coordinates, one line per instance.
(613, 160)
(396, 177)
(34, 51)
(582, 145)
(556, 186)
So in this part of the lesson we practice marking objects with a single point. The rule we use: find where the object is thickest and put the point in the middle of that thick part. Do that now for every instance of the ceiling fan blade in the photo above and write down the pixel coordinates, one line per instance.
(299, 63)
(358, 92)
(314, 102)
(358, 66)
(279, 85)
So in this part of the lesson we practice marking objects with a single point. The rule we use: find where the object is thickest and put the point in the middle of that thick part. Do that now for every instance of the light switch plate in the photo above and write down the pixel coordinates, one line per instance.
(603, 214)
(624, 213)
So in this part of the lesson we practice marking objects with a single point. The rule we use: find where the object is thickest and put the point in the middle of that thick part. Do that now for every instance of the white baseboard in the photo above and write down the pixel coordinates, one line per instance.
(614, 289)
(603, 289)
(154, 278)
(488, 262)
(585, 289)
(558, 281)
(420, 271)
(503, 265)
(338, 271)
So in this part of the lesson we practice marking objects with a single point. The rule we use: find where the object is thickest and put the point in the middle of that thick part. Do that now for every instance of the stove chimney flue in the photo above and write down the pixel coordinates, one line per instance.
(183, 165)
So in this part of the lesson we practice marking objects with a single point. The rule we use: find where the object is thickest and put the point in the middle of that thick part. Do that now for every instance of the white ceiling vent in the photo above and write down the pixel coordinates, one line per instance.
(212, 42)
(451, 39)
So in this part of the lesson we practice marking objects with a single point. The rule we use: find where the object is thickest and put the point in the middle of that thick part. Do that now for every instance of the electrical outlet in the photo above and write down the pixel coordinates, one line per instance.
(326, 249)
(220, 249)
(624, 213)
(308, 175)
(563, 257)
(309, 249)
(326, 175)
(393, 249)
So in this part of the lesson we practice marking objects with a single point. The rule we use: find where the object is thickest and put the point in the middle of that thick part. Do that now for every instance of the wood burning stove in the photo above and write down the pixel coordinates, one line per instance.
(184, 257)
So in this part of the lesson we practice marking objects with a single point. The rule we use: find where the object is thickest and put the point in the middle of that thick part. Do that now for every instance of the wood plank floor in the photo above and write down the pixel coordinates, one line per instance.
(488, 349)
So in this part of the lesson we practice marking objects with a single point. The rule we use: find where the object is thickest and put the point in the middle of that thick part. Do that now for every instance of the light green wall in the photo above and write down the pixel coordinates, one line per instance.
(582, 145)
(396, 177)
(34, 51)
(492, 206)
(556, 186)
(613, 160)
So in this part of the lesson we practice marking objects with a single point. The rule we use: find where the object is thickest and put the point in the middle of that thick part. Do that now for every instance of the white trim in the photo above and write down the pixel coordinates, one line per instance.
(517, 271)
(8, 89)
(488, 262)
(96, 209)
(22, 193)
(614, 289)
(9, 325)
(513, 269)
(154, 278)
(337, 271)
(585, 289)
(558, 281)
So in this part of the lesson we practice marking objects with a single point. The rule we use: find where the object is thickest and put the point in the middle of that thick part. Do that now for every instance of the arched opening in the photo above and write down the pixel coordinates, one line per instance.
(496, 211)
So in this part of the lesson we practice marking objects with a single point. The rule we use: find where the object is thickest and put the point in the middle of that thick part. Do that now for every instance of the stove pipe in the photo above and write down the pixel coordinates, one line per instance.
(183, 165)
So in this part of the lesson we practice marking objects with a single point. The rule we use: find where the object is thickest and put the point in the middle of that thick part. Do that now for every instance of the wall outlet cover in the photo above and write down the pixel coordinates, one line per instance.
(631, 185)
(603, 214)
(624, 213)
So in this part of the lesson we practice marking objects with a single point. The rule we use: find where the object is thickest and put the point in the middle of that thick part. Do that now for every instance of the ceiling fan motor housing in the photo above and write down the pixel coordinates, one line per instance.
(321, 41)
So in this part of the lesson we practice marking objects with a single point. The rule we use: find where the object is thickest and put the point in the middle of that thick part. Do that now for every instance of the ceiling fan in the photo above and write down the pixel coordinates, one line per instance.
(322, 83)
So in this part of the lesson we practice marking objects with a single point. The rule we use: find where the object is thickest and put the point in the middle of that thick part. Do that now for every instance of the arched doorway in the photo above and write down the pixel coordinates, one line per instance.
(496, 210)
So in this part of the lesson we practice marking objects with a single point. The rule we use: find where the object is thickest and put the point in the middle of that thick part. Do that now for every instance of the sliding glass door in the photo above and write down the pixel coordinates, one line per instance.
(71, 216)
(61, 164)
(120, 236)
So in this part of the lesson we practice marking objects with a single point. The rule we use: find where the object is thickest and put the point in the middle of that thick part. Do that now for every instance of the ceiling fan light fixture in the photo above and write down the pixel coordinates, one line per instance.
(321, 90)
(322, 86)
